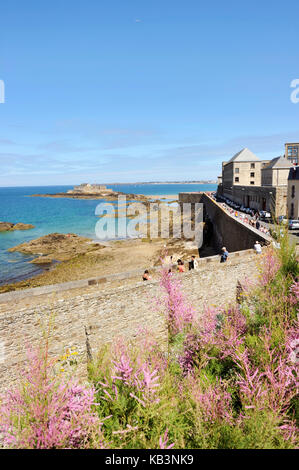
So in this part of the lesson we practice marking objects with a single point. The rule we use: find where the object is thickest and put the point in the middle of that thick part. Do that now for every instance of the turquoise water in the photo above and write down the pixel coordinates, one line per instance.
(61, 215)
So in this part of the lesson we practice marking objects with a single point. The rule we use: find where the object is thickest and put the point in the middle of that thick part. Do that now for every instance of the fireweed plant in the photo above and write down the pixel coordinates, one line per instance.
(228, 377)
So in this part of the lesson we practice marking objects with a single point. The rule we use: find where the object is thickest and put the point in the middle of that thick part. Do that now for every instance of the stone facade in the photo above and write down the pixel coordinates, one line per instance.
(258, 184)
(243, 169)
(242, 173)
(276, 172)
(107, 313)
(262, 198)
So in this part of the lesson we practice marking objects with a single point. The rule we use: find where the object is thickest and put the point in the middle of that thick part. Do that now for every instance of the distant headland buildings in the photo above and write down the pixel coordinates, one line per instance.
(87, 188)
(264, 185)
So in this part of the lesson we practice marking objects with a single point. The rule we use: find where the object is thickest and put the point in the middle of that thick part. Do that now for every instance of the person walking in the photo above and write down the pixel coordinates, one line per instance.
(224, 255)
(257, 247)
(193, 264)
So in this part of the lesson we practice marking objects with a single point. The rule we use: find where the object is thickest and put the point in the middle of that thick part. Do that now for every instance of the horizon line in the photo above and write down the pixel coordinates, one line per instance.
(127, 183)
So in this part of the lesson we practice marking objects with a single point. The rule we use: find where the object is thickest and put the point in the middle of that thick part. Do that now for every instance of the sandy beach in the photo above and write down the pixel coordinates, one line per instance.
(82, 258)
(112, 257)
(164, 196)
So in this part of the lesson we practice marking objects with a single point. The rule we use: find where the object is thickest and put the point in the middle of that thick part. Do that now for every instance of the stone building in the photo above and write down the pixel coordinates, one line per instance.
(293, 193)
(262, 198)
(276, 172)
(243, 169)
(258, 184)
(292, 152)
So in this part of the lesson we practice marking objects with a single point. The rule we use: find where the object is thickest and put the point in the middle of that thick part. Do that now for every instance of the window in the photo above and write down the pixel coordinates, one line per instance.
(236, 179)
(292, 211)
(293, 191)
(293, 152)
(252, 165)
(251, 175)
(236, 170)
(251, 182)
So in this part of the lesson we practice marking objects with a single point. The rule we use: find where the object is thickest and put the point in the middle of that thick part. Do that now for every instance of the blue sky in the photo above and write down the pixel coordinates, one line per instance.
(125, 91)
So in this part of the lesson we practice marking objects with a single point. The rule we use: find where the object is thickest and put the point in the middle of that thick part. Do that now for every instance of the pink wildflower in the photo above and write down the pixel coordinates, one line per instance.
(179, 312)
(45, 413)
(163, 441)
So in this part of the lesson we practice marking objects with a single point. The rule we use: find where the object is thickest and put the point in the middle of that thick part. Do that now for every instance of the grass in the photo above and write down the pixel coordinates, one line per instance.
(227, 380)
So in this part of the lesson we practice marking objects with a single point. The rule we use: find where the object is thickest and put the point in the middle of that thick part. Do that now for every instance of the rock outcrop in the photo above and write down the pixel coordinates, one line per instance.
(9, 227)
(112, 196)
(57, 246)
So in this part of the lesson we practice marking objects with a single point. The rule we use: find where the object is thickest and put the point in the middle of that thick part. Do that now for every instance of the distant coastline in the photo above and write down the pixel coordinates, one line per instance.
(166, 182)
(65, 215)
(142, 183)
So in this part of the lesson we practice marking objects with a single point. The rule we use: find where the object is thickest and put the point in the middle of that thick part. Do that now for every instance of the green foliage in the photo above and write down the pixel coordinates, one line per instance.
(286, 253)
(224, 381)
(199, 398)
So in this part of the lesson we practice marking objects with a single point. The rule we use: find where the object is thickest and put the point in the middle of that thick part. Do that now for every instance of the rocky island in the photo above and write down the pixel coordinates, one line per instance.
(95, 191)
(9, 227)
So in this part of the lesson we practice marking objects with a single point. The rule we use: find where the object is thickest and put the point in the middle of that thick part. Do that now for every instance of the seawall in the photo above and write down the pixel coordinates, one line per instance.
(227, 230)
(105, 312)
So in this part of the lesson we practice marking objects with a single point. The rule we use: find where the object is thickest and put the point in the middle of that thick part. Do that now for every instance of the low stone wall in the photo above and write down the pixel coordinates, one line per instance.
(82, 283)
(227, 230)
(107, 313)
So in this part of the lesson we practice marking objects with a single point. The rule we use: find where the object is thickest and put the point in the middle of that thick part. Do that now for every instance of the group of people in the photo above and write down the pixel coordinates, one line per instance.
(253, 222)
(193, 263)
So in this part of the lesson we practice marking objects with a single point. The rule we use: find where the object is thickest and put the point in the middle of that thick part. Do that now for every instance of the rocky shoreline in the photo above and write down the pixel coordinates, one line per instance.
(67, 257)
(56, 247)
(70, 257)
(10, 227)
(107, 197)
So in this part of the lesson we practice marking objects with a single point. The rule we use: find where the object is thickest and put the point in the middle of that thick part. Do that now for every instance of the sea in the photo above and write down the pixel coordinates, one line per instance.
(60, 215)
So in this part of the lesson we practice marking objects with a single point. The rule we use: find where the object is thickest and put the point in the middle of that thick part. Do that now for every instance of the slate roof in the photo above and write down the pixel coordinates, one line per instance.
(279, 162)
(245, 155)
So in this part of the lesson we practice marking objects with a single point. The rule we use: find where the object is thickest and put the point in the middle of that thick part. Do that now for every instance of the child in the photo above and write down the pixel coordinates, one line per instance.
(146, 276)
(181, 267)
